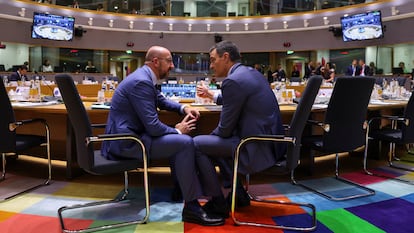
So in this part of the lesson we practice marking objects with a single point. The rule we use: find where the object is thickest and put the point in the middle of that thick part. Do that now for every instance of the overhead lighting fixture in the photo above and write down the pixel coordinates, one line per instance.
(208, 27)
(151, 26)
(285, 25)
(190, 27)
(325, 20)
(131, 24)
(22, 12)
(394, 11)
(111, 23)
(246, 27)
(90, 21)
(227, 27)
(170, 27)
(305, 23)
(265, 26)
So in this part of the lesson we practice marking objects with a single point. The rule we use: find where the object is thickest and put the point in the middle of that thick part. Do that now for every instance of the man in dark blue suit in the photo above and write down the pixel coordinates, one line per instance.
(19, 75)
(249, 107)
(353, 69)
(134, 110)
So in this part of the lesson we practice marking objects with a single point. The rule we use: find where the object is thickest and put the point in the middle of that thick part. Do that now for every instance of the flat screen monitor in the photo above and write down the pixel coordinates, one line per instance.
(365, 26)
(183, 91)
(52, 27)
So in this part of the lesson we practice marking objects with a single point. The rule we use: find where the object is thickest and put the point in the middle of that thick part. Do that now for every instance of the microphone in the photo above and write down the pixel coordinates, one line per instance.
(55, 92)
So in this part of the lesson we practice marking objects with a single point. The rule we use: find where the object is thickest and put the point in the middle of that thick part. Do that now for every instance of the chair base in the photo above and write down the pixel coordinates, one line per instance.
(3, 177)
(276, 202)
(369, 192)
(103, 227)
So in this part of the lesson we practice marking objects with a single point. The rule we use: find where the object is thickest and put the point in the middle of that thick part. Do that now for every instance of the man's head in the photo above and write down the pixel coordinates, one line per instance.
(361, 62)
(223, 55)
(159, 59)
(23, 70)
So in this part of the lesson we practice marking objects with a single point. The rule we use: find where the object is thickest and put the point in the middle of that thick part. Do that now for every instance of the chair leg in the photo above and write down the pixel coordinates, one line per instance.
(368, 172)
(113, 201)
(3, 164)
(367, 191)
(275, 202)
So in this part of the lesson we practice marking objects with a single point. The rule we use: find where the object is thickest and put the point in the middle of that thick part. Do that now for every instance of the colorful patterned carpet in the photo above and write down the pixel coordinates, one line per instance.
(389, 210)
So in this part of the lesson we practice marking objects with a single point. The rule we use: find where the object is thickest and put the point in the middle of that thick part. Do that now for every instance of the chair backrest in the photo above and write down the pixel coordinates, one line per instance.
(408, 130)
(8, 138)
(299, 119)
(346, 114)
(79, 120)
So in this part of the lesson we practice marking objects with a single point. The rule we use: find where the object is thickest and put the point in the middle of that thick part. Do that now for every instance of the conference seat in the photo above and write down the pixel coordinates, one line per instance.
(92, 161)
(400, 130)
(14, 144)
(293, 139)
(343, 130)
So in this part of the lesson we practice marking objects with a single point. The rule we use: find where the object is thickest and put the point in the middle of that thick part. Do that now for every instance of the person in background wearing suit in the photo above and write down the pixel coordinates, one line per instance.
(363, 68)
(309, 70)
(280, 74)
(134, 110)
(19, 75)
(351, 70)
(249, 107)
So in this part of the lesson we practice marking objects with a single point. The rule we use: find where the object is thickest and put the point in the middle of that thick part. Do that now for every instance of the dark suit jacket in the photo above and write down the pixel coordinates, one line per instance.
(15, 76)
(249, 108)
(134, 110)
(366, 69)
(350, 70)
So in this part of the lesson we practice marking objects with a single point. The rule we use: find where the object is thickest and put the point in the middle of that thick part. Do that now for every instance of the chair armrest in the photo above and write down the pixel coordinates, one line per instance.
(14, 125)
(101, 126)
(391, 118)
(267, 137)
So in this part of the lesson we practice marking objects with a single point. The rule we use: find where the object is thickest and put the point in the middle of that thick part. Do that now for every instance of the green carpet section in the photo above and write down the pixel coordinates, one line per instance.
(342, 221)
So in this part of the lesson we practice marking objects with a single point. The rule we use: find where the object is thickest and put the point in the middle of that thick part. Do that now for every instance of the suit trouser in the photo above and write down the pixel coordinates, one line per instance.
(210, 149)
(179, 148)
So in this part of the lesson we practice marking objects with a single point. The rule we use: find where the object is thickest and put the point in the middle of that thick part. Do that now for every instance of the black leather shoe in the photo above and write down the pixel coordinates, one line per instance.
(198, 215)
(214, 208)
(242, 198)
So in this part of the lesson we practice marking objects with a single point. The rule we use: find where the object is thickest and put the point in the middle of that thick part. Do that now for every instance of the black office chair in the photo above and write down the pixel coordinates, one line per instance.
(91, 160)
(344, 128)
(400, 131)
(14, 144)
(293, 138)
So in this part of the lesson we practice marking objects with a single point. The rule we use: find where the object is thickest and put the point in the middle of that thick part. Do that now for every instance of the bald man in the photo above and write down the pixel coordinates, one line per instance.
(134, 110)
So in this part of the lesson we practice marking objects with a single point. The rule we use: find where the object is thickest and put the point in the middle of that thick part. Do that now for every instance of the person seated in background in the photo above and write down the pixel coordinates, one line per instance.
(295, 71)
(309, 70)
(280, 74)
(89, 66)
(47, 67)
(19, 75)
(363, 68)
(100, 7)
(351, 70)
(249, 107)
(134, 109)
(372, 69)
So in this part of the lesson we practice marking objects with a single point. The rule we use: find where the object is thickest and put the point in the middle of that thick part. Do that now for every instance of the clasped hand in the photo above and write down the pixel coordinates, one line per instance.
(187, 125)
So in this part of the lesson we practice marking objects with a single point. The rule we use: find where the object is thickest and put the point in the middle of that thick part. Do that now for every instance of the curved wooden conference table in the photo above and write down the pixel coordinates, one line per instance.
(62, 143)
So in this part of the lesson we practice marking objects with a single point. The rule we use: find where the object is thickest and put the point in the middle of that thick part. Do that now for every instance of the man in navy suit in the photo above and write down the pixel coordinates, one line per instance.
(249, 107)
(353, 69)
(19, 75)
(134, 110)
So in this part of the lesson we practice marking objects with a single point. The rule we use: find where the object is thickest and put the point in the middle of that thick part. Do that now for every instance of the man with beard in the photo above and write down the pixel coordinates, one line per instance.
(134, 110)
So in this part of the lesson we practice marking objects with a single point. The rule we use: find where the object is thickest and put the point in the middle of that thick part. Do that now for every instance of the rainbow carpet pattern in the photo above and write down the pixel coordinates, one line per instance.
(389, 210)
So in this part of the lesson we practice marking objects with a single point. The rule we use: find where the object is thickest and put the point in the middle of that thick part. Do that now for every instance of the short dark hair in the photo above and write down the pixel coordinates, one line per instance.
(229, 47)
(23, 67)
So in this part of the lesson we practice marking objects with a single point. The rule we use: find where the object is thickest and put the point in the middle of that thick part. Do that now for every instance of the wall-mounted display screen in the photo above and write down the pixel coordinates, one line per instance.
(52, 27)
(363, 26)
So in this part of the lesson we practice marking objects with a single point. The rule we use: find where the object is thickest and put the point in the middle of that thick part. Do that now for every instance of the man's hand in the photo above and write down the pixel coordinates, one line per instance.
(194, 113)
(187, 125)
(204, 92)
